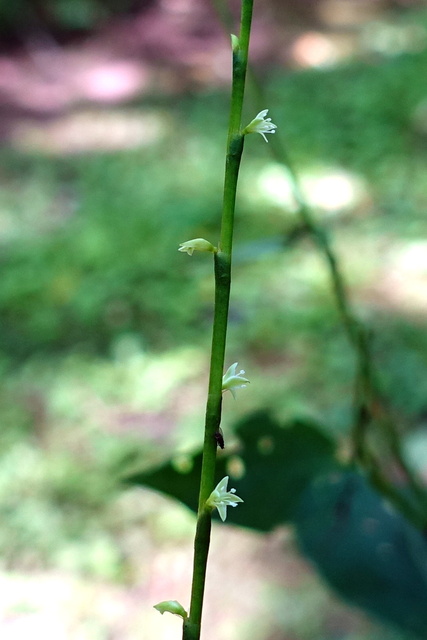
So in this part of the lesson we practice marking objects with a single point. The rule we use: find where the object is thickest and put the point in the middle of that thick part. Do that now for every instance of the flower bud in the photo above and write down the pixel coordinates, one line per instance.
(198, 244)
(171, 606)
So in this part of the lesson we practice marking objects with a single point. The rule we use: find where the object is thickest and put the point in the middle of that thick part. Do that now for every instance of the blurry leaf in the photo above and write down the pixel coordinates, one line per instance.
(368, 552)
(277, 464)
(179, 479)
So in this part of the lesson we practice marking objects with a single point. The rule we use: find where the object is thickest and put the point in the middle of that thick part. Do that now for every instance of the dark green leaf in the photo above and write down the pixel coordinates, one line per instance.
(368, 552)
(277, 462)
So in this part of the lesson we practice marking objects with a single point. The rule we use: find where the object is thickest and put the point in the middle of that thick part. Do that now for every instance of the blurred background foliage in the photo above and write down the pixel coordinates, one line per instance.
(105, 327)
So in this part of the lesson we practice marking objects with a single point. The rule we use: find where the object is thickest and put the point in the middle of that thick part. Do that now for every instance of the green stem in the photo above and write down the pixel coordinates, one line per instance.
(222, 269)
(369, 408)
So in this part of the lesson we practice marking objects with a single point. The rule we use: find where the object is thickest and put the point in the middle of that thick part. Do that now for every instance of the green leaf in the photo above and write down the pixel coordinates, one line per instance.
(367, 551)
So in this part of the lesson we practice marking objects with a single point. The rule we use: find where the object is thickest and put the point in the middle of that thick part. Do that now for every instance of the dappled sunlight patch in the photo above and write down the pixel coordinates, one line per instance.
(236, 467)
(334, 190)
(354, 29)
(149, 379)
(91, 130)
(305, 277)
(331, 190)
(272, 183)
(182, 463)
(133, 393)
(49, 78)
(393, 38)
(315, 49)
(416, 449)
(113, 81)
(172, 524)
(401, 281)
(59, 606)
(50, 209)
(22, 466)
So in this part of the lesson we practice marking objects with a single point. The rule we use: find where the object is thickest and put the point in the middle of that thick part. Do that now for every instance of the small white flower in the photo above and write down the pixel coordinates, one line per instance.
(260, 124)
(232, 380)
(220, 498)
(198, 244)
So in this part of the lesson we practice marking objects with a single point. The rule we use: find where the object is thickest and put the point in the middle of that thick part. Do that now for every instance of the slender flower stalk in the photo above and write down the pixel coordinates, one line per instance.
(222, 270)
(370, 410)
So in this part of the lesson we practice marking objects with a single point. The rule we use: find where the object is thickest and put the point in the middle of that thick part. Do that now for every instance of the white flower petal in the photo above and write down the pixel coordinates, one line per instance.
(222, 510)
(220, 498)
(232, 380)
(260, 124)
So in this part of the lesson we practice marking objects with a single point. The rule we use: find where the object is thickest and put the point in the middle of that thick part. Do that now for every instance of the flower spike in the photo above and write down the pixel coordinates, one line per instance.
(260, 124)
(220, 498)
(198, 244)
(232, 380)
